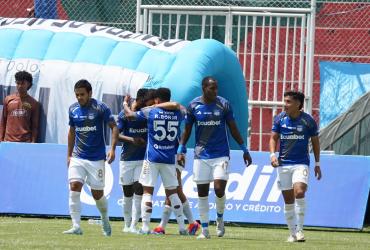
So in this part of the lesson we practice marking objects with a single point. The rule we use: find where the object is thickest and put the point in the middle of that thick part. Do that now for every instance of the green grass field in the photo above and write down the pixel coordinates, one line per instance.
(34, 233)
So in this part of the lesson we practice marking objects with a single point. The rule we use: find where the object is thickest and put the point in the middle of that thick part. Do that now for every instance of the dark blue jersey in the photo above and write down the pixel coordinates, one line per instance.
(294, 137)
(89, 124)
(163, 132)
(132, 128)
(211, 139)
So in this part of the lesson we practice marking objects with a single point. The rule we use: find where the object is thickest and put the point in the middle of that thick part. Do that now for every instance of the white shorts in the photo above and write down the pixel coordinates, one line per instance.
(151, 170)
(207, 170)
(288, 175)
(129, 172)
(91, 172)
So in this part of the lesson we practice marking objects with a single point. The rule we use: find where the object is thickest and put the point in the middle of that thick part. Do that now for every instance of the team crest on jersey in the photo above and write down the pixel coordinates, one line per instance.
(299, 128)
(91, 116)
(26, 105)
(216, 113)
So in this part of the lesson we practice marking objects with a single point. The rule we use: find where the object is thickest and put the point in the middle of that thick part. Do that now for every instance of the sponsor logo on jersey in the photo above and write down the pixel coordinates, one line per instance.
(164, 147)
(199, 112)
(137, 130)
(292, 137)
(86, 129)
(209, 123)
(18, 112)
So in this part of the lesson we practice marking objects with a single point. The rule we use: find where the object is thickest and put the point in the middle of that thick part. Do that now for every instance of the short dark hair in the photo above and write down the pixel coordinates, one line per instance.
(149, 95)
(140, 95)
(164, 94)
(83, 84)
(296, 95)
(21, 76)
(207, 80)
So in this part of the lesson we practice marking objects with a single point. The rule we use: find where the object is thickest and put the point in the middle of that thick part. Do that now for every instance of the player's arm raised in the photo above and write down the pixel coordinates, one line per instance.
(274, 138)
(238, 138)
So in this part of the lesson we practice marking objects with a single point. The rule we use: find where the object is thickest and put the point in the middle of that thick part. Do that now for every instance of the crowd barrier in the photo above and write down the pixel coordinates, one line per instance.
(34, 181)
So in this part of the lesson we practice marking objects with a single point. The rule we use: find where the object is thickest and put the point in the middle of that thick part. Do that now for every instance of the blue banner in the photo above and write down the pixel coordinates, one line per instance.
(341, 84)
(34, 181)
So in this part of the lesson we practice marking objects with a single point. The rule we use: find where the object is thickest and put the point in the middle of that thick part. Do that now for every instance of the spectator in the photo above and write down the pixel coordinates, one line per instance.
(20, 116)
(44, 9)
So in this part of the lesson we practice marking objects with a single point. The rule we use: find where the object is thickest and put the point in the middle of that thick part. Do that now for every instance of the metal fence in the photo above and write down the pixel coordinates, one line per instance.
(342, 33)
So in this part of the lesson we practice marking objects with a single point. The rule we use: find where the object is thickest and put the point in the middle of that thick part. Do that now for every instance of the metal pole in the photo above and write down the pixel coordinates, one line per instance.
(138, 12)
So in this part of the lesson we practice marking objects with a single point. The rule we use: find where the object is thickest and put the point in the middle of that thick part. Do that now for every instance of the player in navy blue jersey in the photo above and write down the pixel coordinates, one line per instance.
(211, 115)
(293, 128)
(163, 127)
(133, 133)
(86, 153)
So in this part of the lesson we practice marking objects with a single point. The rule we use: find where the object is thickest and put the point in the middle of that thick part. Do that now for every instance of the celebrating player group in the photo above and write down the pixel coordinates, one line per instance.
(153, 145)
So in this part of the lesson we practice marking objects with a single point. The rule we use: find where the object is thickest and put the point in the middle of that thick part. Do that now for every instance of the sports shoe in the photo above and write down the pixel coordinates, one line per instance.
(133, 230)
(204, 235)
(220, 227)
(193, 228)
(74, 230)
(158, 230)
(107, 230)
(183, 232)
(291, 238)
(126, 229)
(300, 236)
(142, 232)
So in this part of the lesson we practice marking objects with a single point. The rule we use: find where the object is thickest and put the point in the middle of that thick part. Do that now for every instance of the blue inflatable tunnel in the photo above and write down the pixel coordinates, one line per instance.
(116, 62)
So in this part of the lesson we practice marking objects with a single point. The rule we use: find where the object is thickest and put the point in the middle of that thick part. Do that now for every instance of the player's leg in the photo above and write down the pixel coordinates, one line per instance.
(286, 187)
(148, 177)
(96, 180)
(166, 214)
(220, 175)
(193, 224)
(126, 180)
(170, 183)
(202, 176)
(76, 177)
(300, 181)
(136, 208)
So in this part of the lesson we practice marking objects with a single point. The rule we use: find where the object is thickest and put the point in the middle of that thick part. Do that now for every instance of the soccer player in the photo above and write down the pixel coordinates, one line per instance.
(293, 128)
(163, 127)
(20, 117)
(86, 153)
(210, 114)
(133, 133)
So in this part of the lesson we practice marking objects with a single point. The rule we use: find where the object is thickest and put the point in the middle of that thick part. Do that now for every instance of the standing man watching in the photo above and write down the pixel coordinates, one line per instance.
(210, 114)
(20, 118)
(294, 128)
(86, 153)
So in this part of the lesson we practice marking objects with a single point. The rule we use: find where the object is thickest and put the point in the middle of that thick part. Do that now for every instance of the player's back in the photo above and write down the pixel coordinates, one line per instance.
(163, 130)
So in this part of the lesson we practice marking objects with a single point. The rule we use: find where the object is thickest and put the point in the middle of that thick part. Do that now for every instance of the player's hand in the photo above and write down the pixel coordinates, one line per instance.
(111, 156)
(181, 160)
(138, 141)
(318, 172)
(247, 159)
(274, 161)
(127, 99)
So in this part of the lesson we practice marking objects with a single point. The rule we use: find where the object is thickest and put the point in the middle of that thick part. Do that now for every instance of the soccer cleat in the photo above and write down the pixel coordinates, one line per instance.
(126, 229)
(193, 228)
(300, 236)
(220, 228)
(133, 230)
(143, 232)
(158, 230)
(291, 239)
(74, 230)
(183, 232)
(204, 235)
(107, 230)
